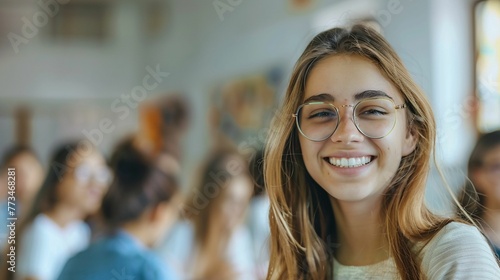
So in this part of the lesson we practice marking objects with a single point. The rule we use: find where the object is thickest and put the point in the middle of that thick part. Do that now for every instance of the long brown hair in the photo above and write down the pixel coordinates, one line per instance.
(201, 209)
(301, 217)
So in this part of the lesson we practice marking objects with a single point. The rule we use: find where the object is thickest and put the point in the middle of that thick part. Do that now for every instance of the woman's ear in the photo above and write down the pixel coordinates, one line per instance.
(410, 141)
(164, 210)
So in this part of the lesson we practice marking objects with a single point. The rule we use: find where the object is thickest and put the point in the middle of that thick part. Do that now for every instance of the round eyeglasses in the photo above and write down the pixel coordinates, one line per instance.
(84, 173)
(374, 117)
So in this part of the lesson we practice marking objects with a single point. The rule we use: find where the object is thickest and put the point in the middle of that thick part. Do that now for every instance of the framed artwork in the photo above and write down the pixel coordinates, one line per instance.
(242, 108)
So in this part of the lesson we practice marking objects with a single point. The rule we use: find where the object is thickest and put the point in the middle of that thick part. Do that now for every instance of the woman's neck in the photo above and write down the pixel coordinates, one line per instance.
(360, 233)
(140, 231)
(211, 248)
(215, 239)
(63, 215)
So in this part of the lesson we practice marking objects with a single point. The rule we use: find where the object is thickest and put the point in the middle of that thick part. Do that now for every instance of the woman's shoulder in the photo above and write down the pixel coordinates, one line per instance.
(44, 224)
(40, 228)
(154, 268)
(179, 238)
(177, 247)
(113, 256)
(455, 232)
(456, 239)
(461, 251)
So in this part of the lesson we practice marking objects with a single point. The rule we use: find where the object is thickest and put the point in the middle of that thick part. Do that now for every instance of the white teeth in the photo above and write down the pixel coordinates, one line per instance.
(349, 162)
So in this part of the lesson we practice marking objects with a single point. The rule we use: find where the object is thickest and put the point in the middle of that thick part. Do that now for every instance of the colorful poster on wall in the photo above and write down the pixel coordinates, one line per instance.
(242, 108)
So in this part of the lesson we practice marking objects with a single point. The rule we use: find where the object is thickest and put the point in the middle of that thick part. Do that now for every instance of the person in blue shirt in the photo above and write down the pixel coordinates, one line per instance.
(140, 206)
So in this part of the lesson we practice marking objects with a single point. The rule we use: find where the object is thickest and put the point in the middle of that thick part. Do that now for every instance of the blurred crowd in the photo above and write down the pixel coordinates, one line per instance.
(86, 216)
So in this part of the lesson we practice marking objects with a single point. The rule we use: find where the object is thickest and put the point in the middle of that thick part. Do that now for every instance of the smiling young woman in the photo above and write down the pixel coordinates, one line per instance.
(346, 167)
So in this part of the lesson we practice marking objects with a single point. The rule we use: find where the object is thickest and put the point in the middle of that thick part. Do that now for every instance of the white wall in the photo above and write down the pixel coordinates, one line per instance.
(452, 57)
(72, 85)
(253, 37)
(200, 49)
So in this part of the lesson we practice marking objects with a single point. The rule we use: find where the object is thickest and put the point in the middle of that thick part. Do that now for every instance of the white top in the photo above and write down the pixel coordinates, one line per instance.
(258, 224)
(458, 251)
(45, 247)
(380, 271)
(178, 251)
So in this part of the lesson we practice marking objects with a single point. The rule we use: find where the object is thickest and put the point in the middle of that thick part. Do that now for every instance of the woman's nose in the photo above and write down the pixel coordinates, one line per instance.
(347, 132)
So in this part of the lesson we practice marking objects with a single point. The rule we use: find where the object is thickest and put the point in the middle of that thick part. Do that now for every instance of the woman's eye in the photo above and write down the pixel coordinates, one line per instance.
(323, 114)
(373, 112)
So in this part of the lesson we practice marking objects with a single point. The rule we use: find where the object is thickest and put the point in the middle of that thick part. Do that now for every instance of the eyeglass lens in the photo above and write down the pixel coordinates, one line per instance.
(83, 173)
(375, 118)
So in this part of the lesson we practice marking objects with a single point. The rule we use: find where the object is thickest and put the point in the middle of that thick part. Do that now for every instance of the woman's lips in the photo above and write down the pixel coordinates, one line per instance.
(349, 162)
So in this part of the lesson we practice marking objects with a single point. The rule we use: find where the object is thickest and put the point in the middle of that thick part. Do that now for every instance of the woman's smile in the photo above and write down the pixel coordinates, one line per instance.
(349, 162)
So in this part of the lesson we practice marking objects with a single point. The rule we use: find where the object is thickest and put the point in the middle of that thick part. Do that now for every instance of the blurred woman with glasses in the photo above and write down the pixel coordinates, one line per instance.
(54, 229)
(140, 206)
(481, 195)
(345, 168)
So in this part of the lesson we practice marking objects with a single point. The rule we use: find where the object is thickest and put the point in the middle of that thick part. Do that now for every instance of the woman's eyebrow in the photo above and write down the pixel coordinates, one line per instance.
(320, 97)
(371, 94)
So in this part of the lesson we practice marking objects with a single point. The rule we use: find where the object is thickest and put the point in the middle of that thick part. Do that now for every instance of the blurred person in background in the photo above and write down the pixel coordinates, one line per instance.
(28, 179)
(164, 123)
(480, 196)
(214, 243)
(54, 229)
(140, 206)
(29, 173)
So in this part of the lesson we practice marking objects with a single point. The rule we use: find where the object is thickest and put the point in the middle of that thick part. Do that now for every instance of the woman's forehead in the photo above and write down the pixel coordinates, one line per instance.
(493, 155)
(88, 157)
(348, 77)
